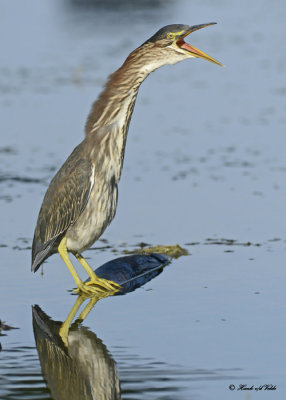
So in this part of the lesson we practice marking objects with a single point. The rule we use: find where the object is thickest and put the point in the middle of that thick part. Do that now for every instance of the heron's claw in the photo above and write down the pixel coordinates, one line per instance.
(98, 286)
(103, 283)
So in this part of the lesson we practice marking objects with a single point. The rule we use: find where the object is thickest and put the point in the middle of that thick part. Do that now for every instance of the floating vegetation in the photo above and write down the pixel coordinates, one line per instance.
(174, 251)
(4, 327)
(7, 150)
(21, 179)
(229, 242)
(224, 242)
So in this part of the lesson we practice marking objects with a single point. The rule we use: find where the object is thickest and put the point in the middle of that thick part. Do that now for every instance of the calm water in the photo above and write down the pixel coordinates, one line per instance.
(205, 168)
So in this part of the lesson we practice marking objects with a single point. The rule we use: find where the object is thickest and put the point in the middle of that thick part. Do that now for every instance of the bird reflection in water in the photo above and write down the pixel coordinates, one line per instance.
(75, 363)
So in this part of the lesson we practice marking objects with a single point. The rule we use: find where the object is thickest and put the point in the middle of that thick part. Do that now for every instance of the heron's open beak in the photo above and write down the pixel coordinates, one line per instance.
(190, 49)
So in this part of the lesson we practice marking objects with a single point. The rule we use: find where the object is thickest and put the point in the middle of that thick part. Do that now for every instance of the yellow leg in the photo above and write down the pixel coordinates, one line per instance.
(96, 284)
(86, 266)
(104, 284)
(62, 249)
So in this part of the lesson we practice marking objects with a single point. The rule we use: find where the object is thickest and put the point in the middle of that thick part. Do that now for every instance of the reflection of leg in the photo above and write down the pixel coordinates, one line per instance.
(104, 284)
(64, 329)
(90, 306)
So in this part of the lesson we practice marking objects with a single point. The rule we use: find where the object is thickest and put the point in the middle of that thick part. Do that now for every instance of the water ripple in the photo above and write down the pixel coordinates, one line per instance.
(20, 374)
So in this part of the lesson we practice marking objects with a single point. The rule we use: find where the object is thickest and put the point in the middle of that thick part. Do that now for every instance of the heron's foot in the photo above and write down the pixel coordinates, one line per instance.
(98, 286)
(103, 283)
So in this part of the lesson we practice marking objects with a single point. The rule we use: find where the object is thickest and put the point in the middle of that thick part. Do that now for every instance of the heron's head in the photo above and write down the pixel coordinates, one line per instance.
(168, 46)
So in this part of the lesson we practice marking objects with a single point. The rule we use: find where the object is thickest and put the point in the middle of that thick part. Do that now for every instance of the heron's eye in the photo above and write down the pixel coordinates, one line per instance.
(170, 35)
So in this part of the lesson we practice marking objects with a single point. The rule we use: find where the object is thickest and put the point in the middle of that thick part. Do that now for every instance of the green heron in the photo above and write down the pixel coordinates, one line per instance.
(81, 199)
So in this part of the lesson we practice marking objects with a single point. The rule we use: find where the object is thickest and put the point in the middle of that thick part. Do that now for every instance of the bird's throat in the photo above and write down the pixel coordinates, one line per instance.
(116, 102)
(111, 113)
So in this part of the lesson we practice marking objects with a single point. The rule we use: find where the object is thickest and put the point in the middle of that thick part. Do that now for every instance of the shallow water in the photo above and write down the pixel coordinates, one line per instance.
(204, 168)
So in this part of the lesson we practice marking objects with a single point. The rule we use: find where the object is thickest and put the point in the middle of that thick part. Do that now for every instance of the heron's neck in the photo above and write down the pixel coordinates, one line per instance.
(115, 104)
(108, 121)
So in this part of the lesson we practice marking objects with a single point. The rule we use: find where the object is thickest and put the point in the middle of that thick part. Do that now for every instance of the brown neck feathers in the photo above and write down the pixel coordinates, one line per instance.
(115, 103)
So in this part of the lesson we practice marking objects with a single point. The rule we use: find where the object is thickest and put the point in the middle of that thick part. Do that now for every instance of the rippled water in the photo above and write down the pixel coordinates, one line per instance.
(204, 168)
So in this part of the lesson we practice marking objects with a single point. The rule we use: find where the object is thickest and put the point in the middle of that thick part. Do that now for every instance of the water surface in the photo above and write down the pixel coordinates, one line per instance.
(204, 168)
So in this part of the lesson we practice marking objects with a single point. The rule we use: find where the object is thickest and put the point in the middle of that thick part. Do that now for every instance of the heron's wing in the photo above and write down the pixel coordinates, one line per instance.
(63, 203)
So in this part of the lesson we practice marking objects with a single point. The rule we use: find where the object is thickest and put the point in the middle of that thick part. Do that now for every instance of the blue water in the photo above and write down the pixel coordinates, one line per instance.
(204, 168)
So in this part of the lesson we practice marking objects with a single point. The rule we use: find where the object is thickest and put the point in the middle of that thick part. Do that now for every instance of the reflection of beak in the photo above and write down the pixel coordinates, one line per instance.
(190, 49)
